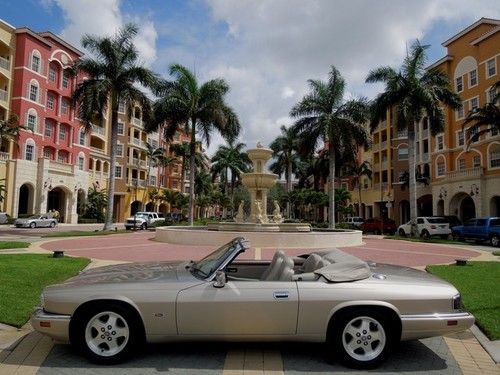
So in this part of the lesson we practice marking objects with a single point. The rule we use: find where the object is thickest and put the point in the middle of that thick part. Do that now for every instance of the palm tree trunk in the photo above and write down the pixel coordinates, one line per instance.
(359, 204)
(288, 185)
(331, 208)
(412, 188)
(183, 174)
(192, 147)
(111, 183)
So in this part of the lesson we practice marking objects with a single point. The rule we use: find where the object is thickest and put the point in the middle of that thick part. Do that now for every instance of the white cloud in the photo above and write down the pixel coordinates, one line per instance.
(287, 92)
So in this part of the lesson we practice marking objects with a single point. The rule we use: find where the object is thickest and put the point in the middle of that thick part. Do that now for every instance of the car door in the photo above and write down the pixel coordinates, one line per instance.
(481, 229)
(240, 308)
(469, 228)
(420, 225)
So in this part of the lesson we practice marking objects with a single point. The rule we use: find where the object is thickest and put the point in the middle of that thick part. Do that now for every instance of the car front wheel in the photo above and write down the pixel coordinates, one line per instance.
(402, 232)
(52, 224)
(495, 240)
(106, 334)
(425, 234)
(32, 225)
(362, 338)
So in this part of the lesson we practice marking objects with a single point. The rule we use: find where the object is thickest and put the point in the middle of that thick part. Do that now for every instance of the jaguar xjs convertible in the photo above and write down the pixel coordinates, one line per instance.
(359, 309)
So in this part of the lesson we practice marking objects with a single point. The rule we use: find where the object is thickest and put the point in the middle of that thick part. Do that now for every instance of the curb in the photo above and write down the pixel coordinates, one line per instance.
(492, 347)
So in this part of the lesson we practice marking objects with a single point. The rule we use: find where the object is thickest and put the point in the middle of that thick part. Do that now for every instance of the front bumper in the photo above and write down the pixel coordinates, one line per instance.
(428, 325)
(53, 325)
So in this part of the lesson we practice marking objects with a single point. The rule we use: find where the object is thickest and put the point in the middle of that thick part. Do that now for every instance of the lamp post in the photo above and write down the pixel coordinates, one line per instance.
(474, 190)
(442, 193)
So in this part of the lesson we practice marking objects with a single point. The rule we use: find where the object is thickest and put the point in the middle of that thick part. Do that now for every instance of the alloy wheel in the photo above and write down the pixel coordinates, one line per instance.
(364, 338)
(107, 333)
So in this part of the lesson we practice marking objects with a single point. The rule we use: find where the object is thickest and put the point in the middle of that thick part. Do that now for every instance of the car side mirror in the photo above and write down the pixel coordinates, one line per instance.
(220, 279)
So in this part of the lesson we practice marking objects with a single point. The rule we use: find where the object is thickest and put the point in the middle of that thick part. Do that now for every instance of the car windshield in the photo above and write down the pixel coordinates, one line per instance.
(140, 214)
(211, 263)
(435, 220)
(34, 217)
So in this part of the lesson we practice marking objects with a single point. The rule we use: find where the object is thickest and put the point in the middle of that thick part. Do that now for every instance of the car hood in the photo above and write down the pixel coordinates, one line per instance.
(405, 274)
(23, 220)
(128, 273)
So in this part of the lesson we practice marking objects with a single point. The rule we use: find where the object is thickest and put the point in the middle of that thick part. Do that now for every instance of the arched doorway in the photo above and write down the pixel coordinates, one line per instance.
(495, 206)
(404, 212)
(440, 208)
(467, 208)
(163, 208)
(81, 202)
(135, 207)
(25, 201)
(424, 205)
(150, 207)
(56, 201)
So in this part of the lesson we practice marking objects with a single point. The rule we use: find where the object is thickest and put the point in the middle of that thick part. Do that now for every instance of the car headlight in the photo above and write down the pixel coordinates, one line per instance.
(42, 300)
(457, 302)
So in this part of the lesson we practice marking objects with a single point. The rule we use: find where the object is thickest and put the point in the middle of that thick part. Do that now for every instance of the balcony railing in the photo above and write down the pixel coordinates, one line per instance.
(137, 121)
(469, 173)
(4, 63)
(98, 130)
(4, 156)
(3, 95)
(60, 167)
(137, 183)
(139, 162)
(403, 134)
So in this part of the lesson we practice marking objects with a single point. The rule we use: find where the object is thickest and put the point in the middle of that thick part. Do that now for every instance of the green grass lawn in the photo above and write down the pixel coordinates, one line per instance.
(13, 245)
(478, 283)
(431, 240)
(76, 233)
(22, 278)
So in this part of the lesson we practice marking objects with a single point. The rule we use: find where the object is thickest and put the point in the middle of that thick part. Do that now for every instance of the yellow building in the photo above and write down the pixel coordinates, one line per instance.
(466, 180)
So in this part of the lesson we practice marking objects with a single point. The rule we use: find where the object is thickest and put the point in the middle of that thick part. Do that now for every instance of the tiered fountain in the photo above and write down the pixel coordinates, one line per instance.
(261, 229)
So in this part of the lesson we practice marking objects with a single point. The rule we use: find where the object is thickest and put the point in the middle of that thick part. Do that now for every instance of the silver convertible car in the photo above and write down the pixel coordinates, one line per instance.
(36, 221)
(359, 309)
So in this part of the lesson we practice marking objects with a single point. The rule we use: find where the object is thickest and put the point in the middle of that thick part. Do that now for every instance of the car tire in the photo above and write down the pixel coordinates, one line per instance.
(362, 338)
(495, 240)
(32, 225)
(425, 234)
(107, 333)
(52, 224)
(402, 232)
(144, 226)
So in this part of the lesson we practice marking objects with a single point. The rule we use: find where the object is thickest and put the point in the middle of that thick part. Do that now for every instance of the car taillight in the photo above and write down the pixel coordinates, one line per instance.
(457, 302)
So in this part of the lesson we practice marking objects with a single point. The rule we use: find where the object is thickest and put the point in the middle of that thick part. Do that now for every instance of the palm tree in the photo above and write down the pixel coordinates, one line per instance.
(285, 148)
(112, 78)
(413, 93)
(357, 171)
(164, 162)
(196, 108)
(181, 150)
(488, 115)
(154, 155)
(323, 115)
(9, 128)
(230, 159)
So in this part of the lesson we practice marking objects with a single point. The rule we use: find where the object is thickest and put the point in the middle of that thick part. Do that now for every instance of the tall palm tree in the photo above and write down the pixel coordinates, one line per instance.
(487, 116)
(154, 156)
(112, 78)
(413, 93)
(164, 162)
(358, 171)
(197, 109)
(232, 160)
(285, 148)
(324, 116)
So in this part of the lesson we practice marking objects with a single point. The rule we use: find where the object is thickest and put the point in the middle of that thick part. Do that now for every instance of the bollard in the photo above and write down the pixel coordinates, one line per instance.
(58, 254)
(461, 262)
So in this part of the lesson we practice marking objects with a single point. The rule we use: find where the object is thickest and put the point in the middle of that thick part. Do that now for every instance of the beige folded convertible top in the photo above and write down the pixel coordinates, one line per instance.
(343, 267)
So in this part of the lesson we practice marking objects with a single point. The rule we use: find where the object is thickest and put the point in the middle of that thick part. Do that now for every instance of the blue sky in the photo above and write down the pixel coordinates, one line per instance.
(265, 49)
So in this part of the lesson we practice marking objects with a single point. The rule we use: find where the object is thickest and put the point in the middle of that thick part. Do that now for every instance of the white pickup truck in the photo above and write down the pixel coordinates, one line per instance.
(143, 220)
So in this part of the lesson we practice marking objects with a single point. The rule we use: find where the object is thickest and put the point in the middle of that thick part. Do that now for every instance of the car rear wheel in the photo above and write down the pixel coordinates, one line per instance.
(52, 224)
(32, 225)
(362, 338)
(495, 240)
(425, 234)
(106, 333)
(144, 226)
(402, 232)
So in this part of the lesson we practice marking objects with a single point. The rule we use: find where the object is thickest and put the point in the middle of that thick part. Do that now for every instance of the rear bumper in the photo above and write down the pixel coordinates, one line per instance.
(53, 325)
(429, 325)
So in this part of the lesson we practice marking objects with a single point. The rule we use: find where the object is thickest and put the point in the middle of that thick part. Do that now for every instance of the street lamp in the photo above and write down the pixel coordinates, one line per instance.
(474, 190)
(442, 193)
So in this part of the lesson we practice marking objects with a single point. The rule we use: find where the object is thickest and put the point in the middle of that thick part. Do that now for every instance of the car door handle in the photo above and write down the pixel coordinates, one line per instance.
(280, 295)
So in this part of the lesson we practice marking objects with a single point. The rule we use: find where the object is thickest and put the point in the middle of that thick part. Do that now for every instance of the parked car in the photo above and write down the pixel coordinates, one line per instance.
(378, 226)
(36, 221)
(452, 220)
(355, 221)
(3, 218)
(485, 229)
(359, 309)
(426, 227)
(143, 220)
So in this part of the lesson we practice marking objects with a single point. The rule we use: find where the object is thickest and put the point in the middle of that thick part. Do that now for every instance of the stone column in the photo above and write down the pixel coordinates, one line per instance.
(253, 195)
(71, 214)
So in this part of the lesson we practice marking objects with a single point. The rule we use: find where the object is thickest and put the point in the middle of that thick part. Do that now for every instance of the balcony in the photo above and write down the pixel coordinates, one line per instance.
(137, 142)
(466, 174)
(99, 130)
(137, 122)
(376, 147)
(58, 167)
(403, 133)
(3, 95)
(137, 183)
(384, 165)
(4, 156)
(139, 162)
(4, 63)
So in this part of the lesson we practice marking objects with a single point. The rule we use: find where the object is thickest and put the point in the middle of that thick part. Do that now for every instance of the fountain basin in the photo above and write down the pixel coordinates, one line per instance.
(202, 236)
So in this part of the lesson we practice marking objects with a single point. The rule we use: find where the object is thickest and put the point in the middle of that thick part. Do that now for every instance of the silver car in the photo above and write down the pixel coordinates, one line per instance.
(359, 309)
(36, 221)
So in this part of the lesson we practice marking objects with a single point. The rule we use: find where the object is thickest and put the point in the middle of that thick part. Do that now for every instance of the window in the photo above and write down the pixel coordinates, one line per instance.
(48, 129)
(65, 80)
(118, 171)
(473, 131)
(119, 150)
(474, 104)
(33, 94)
(50, 101)
(64, 106)
(476, 161)
(402, 153)
(62, 133)
(459, 84)
(175, 184)
(461, 164)
(121, 129)
(152, 180)
(121, 107)
(460, 112)
(491, 67)
(492, 92)
(473, 78)
(47, 153)
(495, 156)
(29, 152)
(440, 168)
(52, 74)
(82, 137)
(81, 162)
(32, 122)
(61, 158)
(426, 147)
(461, 139)
(440, 142)
(35, 62)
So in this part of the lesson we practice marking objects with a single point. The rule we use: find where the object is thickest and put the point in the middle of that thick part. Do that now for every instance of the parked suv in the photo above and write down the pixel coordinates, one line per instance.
(426, 227)
(355, 221)
(485, 229)
(379, 226)
(143, 220)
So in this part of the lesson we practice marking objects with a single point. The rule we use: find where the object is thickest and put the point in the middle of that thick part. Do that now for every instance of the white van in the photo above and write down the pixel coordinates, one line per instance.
(355, 221)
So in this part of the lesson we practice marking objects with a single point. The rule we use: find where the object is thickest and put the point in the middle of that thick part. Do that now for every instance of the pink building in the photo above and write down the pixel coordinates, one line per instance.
(52, 154)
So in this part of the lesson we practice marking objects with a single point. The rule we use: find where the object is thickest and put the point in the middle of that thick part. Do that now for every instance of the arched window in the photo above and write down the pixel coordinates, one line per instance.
(34, 91)
(29, 150)
(440, 166)
(32, 120)
(82, 137)
(36, 61)
(81, 161)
